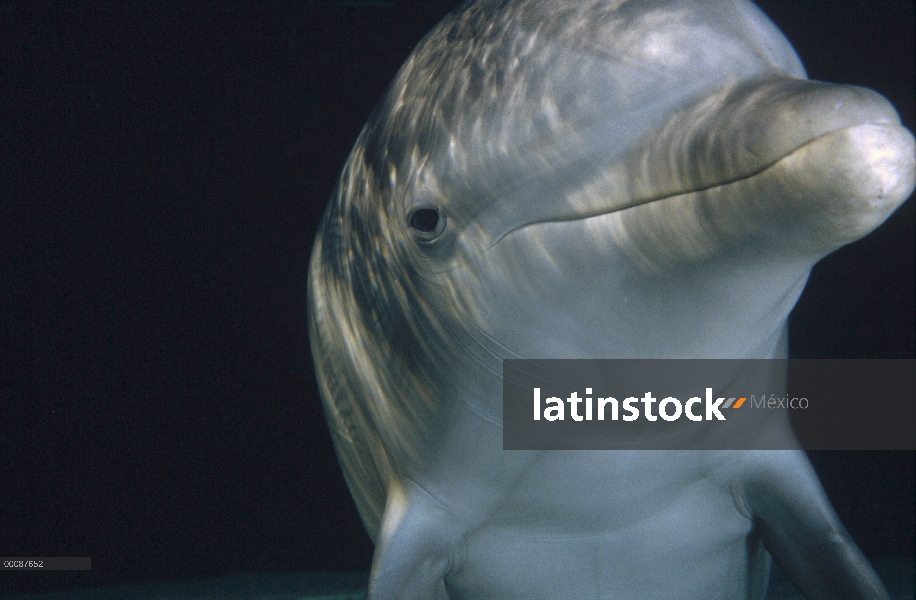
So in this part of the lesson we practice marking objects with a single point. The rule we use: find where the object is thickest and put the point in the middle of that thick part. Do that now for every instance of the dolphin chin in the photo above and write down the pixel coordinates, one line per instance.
(597, 179)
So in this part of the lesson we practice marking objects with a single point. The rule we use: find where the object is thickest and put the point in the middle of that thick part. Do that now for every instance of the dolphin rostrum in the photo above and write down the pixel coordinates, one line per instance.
(589, 179)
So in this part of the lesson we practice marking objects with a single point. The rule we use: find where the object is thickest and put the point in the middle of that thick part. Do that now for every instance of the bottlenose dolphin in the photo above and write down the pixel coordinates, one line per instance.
(590, 179)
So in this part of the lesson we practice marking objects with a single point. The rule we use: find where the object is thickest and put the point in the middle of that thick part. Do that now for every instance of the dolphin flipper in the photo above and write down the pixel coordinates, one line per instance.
(799, 528)
(414, 549)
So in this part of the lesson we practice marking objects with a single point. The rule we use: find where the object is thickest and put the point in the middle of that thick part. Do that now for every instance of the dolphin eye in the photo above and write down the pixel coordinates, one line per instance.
(427, 222)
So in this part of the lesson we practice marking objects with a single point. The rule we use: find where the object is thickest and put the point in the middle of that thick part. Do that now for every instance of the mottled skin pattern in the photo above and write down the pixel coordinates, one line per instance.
(597, 179)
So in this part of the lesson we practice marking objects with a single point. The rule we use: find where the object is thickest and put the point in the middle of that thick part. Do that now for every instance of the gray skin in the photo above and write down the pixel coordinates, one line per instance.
(603, 179)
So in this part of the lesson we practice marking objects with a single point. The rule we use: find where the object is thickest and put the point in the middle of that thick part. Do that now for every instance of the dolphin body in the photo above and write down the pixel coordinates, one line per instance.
(590, 179)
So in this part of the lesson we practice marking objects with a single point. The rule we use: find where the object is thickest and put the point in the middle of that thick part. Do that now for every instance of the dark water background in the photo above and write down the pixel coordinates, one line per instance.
(162, 172)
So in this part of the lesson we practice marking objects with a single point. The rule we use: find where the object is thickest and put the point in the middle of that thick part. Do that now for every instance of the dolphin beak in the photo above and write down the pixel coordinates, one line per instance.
(782, 164)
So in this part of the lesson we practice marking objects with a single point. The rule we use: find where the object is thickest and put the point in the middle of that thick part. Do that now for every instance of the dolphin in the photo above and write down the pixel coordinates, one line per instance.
(590, 179)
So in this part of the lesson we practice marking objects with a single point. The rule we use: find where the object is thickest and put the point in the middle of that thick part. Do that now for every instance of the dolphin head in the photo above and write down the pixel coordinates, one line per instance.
(602, 179)
(565, 176)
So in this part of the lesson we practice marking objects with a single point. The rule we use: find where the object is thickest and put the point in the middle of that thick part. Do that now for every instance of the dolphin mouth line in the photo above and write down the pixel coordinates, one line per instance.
(698, 189)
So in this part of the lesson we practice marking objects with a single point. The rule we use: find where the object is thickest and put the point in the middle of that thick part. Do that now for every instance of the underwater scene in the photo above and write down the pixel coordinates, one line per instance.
(264, 262)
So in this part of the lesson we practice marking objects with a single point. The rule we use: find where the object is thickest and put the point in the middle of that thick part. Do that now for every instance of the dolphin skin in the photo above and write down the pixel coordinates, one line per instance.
(589, 179)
